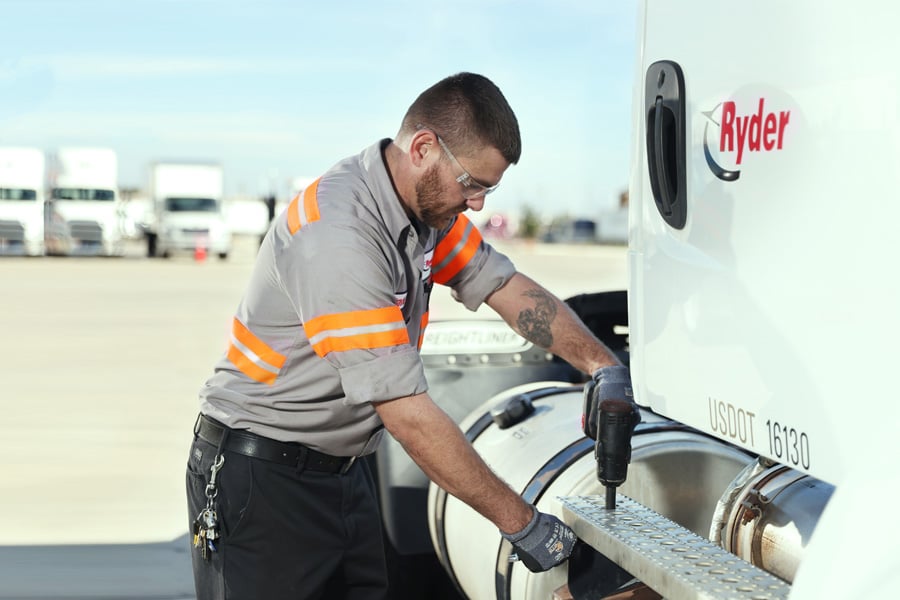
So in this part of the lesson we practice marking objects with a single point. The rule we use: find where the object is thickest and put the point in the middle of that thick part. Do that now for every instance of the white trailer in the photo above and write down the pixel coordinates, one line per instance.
(21, 201)
(84, 212)
(188, 210)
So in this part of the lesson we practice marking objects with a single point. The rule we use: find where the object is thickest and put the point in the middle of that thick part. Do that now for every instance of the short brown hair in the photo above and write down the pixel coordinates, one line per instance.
(468, 111)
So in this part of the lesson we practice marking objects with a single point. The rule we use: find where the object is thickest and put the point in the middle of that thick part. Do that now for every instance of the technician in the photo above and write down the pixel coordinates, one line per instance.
(324, 356)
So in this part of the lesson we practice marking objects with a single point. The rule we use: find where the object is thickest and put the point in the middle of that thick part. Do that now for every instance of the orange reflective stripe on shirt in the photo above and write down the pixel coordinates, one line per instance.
(422, 325)
(357, 330)
(305, 211)
(252, 356)
(455, 251)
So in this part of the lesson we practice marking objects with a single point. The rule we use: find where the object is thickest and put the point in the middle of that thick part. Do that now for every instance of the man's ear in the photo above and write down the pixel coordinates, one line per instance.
(422, 147)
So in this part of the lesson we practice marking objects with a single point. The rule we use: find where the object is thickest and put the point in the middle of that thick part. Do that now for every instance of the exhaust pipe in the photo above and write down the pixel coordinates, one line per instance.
(768, 514)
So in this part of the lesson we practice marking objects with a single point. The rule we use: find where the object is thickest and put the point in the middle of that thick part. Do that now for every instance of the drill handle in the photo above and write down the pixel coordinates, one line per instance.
(616, 422)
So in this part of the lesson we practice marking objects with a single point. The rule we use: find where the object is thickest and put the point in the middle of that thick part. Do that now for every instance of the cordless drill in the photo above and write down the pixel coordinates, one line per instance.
(616, 422)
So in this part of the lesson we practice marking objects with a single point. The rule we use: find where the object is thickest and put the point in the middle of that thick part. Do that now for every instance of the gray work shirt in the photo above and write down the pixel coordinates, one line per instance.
(335, 310)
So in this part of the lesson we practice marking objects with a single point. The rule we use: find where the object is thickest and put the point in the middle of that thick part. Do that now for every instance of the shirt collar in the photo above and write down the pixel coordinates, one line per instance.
(379, 180)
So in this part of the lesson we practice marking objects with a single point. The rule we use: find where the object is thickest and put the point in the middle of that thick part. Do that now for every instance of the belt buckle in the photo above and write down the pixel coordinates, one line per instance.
(347, 465)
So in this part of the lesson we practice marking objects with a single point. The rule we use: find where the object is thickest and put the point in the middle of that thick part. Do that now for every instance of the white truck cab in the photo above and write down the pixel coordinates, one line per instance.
(22, 201)
(188, 212)
(84, 209)
(763, 291)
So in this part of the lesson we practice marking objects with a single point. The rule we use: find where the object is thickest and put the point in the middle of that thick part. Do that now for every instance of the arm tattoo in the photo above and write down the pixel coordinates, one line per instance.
(535, 323)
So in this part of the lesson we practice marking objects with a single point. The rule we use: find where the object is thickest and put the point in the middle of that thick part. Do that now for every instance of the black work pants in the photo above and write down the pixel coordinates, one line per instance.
(287, 534)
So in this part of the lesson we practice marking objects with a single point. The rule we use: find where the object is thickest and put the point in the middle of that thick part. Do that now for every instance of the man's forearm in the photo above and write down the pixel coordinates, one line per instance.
(440, 449)
(545, 320)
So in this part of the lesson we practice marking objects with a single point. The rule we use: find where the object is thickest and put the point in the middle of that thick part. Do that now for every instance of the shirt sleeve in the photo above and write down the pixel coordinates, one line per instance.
(343, 285)
(472, 268)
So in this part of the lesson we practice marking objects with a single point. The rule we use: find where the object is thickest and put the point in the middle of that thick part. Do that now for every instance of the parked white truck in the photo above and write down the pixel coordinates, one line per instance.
(84, 212)
(760, 459)
(22, 201)
(187, 210)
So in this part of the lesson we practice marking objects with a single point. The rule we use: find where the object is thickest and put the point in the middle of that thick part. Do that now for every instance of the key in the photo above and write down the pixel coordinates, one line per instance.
(210, 519)
(195, 529)
(205, 530)
(211, 524)
(204, 550)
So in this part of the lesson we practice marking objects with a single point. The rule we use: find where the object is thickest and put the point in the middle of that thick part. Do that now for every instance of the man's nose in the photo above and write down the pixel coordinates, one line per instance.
(475, 204)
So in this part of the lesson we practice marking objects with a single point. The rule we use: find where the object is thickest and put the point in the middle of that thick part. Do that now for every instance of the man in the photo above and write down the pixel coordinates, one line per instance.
(324, 357)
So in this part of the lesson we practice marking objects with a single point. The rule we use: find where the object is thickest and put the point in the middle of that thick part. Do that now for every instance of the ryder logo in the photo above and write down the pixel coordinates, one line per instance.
(739, 133)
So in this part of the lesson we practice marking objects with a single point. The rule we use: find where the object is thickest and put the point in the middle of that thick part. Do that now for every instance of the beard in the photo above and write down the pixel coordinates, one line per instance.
(429, 190)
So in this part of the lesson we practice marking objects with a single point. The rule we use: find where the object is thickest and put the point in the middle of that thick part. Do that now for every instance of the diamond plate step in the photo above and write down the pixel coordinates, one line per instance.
(673, 561)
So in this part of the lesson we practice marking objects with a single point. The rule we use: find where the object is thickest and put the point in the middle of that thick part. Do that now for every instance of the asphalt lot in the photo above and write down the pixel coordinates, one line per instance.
(101, 366)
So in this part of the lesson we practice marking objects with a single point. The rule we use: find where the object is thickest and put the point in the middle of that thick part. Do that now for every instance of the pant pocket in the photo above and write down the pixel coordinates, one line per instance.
(202, 455)
(235, 497)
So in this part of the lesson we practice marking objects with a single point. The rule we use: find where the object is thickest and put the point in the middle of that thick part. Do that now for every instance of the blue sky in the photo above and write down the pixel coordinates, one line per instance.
(277, 89)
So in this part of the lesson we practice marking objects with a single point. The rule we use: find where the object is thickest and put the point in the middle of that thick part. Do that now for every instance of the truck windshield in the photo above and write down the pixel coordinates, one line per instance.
(83, 194)
(17, 194)
(191, 205)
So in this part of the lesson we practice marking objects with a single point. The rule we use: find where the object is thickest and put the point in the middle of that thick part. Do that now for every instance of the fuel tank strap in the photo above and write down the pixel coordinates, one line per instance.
(673, 561)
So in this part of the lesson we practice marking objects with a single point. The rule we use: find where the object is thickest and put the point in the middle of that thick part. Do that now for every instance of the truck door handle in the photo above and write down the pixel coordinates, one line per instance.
(663, 180)
(666, 140)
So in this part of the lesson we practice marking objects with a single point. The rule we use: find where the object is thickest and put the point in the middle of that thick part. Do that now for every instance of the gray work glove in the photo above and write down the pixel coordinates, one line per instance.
(607, 383)
(544, 543)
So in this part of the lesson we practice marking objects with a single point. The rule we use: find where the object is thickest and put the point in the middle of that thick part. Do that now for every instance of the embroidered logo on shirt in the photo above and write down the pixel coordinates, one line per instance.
(426, 267)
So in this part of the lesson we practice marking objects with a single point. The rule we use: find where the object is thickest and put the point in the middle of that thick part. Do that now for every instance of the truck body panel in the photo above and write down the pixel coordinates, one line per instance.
(764, 319)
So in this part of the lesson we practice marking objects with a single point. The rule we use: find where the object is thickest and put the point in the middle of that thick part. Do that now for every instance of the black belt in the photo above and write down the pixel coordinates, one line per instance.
(257, 446)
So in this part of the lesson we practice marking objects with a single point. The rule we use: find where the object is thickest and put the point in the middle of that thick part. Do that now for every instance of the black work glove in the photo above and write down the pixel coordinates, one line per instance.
(544, 543)
(607, 383)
